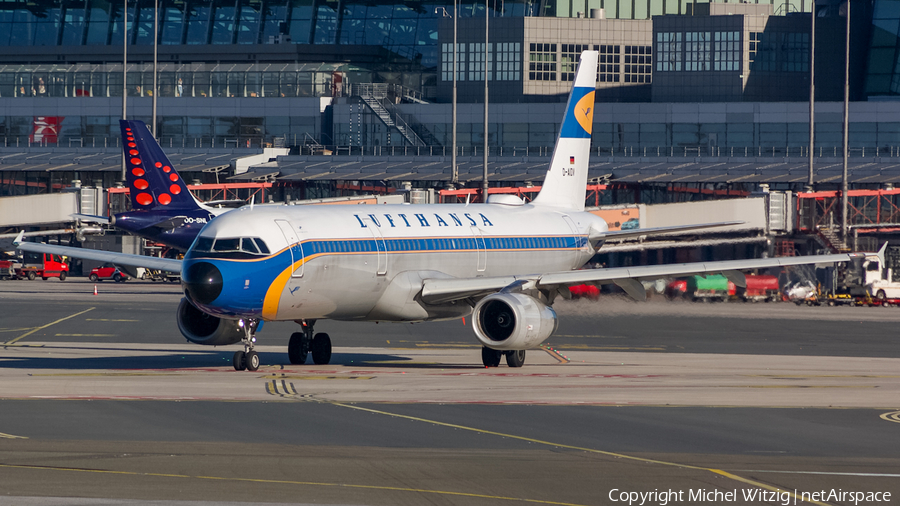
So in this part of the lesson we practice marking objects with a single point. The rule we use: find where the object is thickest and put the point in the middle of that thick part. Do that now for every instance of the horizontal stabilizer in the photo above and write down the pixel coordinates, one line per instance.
(627, 234)
(90, 218)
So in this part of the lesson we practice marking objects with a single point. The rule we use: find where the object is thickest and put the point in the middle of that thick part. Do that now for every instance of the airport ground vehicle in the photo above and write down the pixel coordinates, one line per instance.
(591, 292)
(8, 269)
(711, 287)
(107, 271)
(879, 280)
(43, 265)
(760, 288)
(158, 275)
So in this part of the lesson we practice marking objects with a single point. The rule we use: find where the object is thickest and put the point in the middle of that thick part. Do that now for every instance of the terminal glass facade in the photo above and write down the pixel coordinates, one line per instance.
(406, 29)
(174, 80)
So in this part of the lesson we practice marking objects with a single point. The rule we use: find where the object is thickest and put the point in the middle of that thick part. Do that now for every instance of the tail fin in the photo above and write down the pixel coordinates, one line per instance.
(153, 183)
(566, 180)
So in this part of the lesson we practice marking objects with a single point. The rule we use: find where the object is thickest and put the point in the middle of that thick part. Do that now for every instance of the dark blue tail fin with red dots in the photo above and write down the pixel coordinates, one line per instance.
(153, 182)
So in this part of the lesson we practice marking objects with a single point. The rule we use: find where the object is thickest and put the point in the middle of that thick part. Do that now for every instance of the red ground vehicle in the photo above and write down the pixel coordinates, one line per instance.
(8, 269)
(44, 265)
(760, 288)
(585, 291)
(107, 271)
(676, 289)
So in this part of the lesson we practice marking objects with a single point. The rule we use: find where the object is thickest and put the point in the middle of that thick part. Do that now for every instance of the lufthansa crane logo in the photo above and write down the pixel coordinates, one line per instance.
(584, 112)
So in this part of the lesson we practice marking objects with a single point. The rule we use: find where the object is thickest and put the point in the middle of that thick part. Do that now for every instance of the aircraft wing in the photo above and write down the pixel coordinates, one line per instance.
(124, 259)
(437, 291)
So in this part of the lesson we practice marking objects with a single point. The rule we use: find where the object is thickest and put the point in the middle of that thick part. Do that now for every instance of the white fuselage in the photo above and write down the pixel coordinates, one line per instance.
(368, 262)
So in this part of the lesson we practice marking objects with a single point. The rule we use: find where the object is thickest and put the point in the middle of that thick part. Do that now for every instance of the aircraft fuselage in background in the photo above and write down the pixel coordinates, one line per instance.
(176, 227)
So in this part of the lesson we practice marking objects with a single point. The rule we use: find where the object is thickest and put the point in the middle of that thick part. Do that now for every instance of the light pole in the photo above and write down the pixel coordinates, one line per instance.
(454, 170)
(484, 184)
(155, 60)
(124, 73)
(845, 230)
(812, 94)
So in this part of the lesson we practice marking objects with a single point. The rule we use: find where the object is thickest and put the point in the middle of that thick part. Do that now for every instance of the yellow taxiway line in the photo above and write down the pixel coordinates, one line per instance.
(42, 327)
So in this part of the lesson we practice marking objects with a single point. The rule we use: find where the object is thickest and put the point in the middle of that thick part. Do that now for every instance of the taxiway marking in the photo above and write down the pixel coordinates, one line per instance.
(720, 472)
(10, 436)
(84, 335)
(893, 416)
(288, 482)
(823, 473)
(16, 330)
(23, 336)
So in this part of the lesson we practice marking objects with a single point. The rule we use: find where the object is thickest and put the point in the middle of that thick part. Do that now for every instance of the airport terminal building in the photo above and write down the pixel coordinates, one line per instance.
(373, 74)
(678, 81)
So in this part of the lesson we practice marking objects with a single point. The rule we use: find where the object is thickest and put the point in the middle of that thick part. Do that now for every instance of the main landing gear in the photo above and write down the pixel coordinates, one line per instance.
(247, 359)
(302, 343)
(491, 357)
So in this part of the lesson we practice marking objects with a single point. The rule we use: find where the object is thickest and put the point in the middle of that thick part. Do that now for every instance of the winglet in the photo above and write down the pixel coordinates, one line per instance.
(19, 238)
(881, 260)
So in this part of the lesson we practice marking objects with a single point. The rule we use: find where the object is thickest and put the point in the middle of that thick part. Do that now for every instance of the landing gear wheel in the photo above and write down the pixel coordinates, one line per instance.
(515, 358)
(240, 360)
(252, 361)
(321, 349)
(298, 348)
(490, 357)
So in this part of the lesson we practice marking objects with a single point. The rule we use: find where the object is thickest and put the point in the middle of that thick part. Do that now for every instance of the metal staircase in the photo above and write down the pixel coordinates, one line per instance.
(801, 273)
(374, 97)
(833, 239)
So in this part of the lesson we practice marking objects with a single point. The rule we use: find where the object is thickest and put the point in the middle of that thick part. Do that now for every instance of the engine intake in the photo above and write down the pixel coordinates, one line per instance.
(201, 328)
(513, 321)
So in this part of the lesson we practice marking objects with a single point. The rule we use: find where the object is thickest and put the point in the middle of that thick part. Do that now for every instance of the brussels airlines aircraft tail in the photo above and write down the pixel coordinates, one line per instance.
(154, 184)
(564, 185)
(163, 209)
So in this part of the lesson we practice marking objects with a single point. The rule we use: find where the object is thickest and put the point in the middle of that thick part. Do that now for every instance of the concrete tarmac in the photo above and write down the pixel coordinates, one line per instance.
(101, 400)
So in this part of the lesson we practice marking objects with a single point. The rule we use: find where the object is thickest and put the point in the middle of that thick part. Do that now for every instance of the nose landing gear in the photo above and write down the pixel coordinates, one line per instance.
(247, 359)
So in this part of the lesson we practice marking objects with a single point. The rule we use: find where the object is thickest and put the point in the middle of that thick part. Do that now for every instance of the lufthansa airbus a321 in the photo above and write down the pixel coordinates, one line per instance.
(504, 262)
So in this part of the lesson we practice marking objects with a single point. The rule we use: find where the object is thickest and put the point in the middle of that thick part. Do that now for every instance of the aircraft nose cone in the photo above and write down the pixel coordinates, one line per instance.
(202, 282)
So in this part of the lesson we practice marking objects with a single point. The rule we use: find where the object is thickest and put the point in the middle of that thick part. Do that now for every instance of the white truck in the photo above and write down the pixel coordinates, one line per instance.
(879, 276)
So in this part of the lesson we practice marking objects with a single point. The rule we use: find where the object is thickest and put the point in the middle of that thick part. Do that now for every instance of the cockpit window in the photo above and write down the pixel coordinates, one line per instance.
(262, 246)
(249, 246)
(231, 246)
(227, 244)
(203, 244)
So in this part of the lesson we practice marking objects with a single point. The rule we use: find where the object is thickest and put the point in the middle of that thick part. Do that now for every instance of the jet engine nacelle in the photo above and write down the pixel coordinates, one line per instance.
(201, 328)
(513, 321)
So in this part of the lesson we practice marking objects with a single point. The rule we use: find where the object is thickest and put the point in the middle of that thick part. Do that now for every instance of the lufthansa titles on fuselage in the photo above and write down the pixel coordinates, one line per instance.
(391, 220)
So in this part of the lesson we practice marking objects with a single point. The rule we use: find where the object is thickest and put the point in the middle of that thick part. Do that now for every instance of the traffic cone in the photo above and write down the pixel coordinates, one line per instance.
(95, 289)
